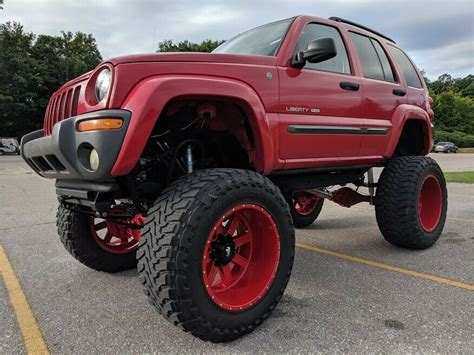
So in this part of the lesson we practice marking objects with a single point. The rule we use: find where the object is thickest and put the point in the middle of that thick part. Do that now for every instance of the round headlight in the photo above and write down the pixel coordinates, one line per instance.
(102, 84)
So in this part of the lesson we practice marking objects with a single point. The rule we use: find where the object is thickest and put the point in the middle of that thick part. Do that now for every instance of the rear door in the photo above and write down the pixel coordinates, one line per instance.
(320, 107)
(383, 93)
(416, 92)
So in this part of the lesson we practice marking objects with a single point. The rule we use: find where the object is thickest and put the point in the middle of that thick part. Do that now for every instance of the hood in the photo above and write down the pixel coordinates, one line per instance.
(195, 57)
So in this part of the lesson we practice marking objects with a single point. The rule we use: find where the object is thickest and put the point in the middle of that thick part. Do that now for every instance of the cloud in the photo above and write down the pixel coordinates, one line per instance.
(438, 34)
(456, 59)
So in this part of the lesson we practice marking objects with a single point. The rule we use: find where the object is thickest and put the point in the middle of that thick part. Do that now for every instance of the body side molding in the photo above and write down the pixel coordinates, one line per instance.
(312, 129)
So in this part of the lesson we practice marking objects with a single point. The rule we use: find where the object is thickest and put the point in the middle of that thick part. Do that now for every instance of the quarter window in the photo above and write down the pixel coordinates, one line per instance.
(374, 61)
(338, 64)
(387, 69)
(409, 72)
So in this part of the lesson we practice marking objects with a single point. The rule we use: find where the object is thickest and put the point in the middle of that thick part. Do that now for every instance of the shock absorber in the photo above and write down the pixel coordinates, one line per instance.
(189, 159)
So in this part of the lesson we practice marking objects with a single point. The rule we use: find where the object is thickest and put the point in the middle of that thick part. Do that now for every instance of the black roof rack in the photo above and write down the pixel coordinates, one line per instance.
(338, 19)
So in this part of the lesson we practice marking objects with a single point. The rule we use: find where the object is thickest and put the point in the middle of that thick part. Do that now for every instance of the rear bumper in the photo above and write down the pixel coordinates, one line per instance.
(65, 154)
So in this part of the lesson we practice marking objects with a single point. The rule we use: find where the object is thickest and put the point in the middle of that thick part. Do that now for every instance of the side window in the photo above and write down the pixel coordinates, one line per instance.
(387, 69)
(374, 61)
(338, 64)
(406, 67)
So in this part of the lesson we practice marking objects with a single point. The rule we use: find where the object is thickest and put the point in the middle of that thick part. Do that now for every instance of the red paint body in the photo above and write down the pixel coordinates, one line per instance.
(144, 84)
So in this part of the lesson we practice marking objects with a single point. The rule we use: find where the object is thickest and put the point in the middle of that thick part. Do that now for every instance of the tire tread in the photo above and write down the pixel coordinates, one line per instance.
(163, 253)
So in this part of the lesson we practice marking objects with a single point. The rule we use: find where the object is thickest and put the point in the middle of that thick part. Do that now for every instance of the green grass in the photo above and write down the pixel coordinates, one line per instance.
(465, 177)
(466, 150)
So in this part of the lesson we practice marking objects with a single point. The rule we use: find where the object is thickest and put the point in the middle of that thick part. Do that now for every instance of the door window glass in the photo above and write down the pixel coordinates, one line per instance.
(408, 70)
(338, 64)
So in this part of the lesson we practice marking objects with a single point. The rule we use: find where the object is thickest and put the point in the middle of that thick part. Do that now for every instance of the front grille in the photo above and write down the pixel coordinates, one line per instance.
(62, 105)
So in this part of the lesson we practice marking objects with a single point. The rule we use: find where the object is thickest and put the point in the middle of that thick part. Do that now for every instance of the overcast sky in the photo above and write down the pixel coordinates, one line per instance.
(439, 35)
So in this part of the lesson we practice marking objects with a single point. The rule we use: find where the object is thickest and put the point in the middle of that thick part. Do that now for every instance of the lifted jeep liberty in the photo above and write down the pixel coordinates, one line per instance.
(196, 168)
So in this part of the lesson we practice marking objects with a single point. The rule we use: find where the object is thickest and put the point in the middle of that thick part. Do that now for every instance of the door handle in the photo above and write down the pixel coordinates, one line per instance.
(347, 85)
(399, 92)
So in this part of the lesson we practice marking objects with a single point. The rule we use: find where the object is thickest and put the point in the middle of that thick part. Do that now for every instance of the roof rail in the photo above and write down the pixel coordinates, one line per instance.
(338, 19)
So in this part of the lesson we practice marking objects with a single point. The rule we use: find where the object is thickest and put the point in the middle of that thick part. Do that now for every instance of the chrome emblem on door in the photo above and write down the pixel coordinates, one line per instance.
(302, 109)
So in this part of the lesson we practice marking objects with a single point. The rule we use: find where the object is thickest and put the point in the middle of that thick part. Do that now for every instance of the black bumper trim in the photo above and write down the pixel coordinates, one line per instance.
(80, 194)
(64, 154)
(104, 186)
(98, 196)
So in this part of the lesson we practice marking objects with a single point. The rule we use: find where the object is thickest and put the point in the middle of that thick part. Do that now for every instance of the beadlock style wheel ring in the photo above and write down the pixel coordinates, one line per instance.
(430, 203)
(241, 257)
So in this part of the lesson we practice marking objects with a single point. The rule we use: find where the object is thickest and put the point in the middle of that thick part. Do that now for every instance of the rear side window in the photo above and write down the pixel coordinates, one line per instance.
(338, 64)
(387, 69)
(374, 61)
(406, 67)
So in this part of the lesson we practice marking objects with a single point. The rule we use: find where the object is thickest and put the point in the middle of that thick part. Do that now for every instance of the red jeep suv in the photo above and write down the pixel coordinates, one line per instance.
(198, 166)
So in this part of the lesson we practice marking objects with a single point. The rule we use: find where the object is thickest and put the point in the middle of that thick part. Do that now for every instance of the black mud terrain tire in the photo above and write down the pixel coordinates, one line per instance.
(75, 233)
(173, 245)
(411, 202)
(304, 220)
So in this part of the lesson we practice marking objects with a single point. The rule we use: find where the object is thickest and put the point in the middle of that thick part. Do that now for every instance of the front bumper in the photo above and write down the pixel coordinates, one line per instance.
(65, 154)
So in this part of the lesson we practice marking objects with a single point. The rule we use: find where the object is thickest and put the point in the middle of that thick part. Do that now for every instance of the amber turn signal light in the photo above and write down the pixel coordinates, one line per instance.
(100, 124)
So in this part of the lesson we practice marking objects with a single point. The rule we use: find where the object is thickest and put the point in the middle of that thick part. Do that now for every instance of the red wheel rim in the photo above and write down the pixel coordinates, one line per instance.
(304, 202)
(241, 257)
(430, 203)
(117, 238)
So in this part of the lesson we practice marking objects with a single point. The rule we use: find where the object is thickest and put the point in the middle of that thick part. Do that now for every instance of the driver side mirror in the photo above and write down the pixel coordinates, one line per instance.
(319, 50)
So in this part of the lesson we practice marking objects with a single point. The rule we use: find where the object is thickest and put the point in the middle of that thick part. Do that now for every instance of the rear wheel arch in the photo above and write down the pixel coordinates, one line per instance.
(414, 138)
(411, 132)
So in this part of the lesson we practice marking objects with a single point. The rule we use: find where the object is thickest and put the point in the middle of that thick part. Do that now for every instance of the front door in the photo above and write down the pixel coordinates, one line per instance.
(320, 109)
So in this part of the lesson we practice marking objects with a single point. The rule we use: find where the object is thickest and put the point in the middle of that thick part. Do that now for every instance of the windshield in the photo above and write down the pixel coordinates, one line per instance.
(264, 40)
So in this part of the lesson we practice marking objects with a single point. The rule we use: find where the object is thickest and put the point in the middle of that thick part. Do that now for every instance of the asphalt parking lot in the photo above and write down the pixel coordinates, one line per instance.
(350, 291)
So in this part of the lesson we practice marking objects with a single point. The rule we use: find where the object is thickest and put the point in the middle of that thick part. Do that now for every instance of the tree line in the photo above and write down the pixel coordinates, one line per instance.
(207, 45)
(33, 67)
(453, 104)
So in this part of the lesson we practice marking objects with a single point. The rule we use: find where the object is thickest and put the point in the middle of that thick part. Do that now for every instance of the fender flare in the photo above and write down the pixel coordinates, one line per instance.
(149, 97)
(402, 114)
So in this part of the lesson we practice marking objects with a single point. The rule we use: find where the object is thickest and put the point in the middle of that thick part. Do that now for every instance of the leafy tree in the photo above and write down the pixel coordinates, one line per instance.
(454, 112)
(79, 54)
(207, 45)
(454, 108)
(465, 86)
(454, 118)
(32, 68)
(19, 81)
(445, 82)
